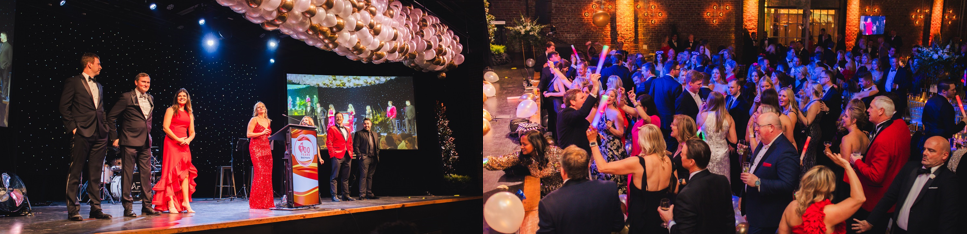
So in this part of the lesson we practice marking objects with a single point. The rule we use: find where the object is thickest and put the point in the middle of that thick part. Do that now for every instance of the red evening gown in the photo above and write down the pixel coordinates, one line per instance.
(812, 220)
(262, 162)
(176, 166)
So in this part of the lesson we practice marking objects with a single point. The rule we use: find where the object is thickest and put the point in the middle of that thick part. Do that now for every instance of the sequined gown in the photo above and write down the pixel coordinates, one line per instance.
(262, 164)
(176, 166)
(550, 174)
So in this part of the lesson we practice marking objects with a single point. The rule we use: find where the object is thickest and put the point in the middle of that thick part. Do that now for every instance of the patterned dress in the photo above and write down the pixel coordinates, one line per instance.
(812, 220)
(262, 164)
(550, 173)
(718, 143)
(613, 150)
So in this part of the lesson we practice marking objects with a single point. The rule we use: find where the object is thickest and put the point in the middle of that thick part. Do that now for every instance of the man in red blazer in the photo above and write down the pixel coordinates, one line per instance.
(340, 145)
(888, 152)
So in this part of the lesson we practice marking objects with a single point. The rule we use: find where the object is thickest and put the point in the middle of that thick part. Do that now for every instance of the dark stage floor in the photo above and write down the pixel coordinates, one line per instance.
(210, 214)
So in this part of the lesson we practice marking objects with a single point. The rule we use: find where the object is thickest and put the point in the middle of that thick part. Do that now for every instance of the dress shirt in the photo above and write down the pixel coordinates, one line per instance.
(143, 102)
(889, 80)
(95, 93)
(698, 99)
(762, 152)
(904, 216)
(345, 135)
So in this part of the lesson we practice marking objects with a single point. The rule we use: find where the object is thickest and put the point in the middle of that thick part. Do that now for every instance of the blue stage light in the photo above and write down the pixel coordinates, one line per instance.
(153, 6)
(210, 43)
(201, 21)
(273, 44)
(62, 2)
(272, 60)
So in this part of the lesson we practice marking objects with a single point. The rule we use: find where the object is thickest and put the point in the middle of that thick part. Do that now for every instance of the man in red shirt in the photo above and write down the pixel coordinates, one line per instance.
(340, 146)
(887, 154)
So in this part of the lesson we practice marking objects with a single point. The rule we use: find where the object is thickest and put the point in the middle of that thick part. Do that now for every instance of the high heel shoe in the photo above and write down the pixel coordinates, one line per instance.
(172, 209)
(187, 207)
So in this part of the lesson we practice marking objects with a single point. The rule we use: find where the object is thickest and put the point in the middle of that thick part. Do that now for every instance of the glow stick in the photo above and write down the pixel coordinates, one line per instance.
(961, 104)
(804, 147)
(604, 52)
(576, 57)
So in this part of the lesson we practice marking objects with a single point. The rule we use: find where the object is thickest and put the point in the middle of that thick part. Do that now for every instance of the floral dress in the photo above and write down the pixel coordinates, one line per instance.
(613, 150)
(550, 173)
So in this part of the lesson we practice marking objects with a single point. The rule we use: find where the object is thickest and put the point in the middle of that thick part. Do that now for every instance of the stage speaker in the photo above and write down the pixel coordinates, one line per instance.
(542, 11)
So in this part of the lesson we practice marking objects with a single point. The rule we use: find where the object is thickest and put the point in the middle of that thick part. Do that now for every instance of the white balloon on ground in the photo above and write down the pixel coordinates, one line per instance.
(504, 212)
(491, 76)
(488, 89)
(530, 62)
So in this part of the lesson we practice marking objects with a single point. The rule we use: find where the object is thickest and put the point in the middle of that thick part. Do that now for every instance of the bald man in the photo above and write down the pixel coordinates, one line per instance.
(925, 196)
(773, 177)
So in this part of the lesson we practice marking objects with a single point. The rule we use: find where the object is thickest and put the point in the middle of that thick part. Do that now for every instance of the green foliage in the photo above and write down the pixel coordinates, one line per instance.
(497, 49)
(525, 31)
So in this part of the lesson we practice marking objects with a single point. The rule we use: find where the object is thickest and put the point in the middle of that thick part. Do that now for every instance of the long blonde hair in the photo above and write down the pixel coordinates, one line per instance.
(816, 185)
(651, 140)
(793, 106)
(716, 102)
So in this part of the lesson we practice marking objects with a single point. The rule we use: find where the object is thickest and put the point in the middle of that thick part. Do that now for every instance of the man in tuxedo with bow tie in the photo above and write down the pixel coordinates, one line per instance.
(340, 145)
(925, 196)
(737, 104)
(888, 151)
(82, 109)
(704, 205)
(135, 109)
(773, 177)
(897, 81)
(690, 102)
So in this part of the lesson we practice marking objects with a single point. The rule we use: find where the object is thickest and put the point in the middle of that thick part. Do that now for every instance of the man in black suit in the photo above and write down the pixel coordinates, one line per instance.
(547, 111)
(737, 104)
(647, 74)
(573, 119)
(580, 206)
(82, 109)
(665, 90)
(834, 100)
(938, 114)
(367, 152)
(704, 205)
(895, 40)
(690, 44)
(689, 102)
(618, 69)
(897, 81)
(135, 109)
(925, 196)
(772, 179)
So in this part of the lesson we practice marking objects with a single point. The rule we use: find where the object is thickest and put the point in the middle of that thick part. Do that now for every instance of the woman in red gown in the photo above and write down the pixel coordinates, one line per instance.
(812, 212)
(259, 129)
(173, 191)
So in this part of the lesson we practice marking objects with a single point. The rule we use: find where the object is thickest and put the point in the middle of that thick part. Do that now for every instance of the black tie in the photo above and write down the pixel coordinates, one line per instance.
(923, 171)
(92, 79)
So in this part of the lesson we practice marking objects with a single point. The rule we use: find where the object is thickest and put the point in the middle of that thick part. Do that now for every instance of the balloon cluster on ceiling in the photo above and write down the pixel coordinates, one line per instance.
(374, 31)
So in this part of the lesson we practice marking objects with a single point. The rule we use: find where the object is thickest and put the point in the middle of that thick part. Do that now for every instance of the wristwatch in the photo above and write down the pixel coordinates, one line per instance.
(593, 143)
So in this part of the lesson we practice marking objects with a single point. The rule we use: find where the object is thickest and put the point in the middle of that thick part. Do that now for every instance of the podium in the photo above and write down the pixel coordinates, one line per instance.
(301, 181)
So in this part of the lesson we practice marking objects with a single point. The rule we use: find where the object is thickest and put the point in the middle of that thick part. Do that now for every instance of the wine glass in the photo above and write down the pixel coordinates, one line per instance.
(665, 205)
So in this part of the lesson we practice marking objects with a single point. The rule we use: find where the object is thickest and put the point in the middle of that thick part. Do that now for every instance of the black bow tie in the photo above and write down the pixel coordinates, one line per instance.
(92, 79)
(923, 171)
(892, 70)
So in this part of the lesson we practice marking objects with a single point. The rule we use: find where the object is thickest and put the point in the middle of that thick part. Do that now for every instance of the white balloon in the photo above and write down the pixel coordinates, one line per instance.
(380, 6)
(364, 17)
(491, 76)
(318, 2)
(269, 14)
(343, 38)
(530, 62)
(488, 89)
(458, 59)
(338, 7)
(239, 9)
(254, 14)
(293, 19)
(458, 48)
(350, 23)
(329, 21)
(256, 20)
(320, 15)
(227, 3)
(364, 37)
(375, 43)
(352, 40)
(301, 5)
(526, 109)
(429, 54)
(271, 4)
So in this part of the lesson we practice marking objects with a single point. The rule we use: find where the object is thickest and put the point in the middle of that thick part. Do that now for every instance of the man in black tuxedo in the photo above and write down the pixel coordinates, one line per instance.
(895, 40)
(367, 152)
(647, 74)
(82, 109)
(938, 114)
(897, 81)
(689, 44)
(572, 121)
(834, 100)
(772, 179)
(665, 90)
(689, 102)
(135, 109)
(925, 196)
(580, 206)
(618, 69)
(704, 205)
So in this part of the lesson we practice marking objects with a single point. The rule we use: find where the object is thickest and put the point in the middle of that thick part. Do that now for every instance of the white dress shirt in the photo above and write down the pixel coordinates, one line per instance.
(889, 80)
(95, 93)
(904, 216)
(143, 102)
(698, 99)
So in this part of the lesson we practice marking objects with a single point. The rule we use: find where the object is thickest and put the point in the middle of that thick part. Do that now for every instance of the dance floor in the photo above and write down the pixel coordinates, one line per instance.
(214, 215)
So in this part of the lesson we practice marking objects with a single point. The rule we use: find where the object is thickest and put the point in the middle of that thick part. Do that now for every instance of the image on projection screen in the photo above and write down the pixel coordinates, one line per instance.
(386, 100)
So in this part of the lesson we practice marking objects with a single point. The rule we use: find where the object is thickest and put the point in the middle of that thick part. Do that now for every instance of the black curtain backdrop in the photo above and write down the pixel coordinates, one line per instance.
(224, 86)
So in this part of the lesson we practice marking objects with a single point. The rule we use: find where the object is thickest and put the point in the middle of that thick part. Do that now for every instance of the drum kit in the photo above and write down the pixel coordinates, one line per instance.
(111, 189)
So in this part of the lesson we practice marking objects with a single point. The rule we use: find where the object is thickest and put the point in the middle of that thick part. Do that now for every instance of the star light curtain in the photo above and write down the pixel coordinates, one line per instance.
(375, 31)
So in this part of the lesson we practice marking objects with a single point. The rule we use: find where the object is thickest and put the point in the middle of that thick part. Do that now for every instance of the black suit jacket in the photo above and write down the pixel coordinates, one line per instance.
(902, 79)
(77, 108)
(581, 207)
(935, 208)
(572, 124)
(685, 105)
(6, 56)
(361, 145)
(622, 72)
(704, 206)
(895, 42)
(739, 109)
(664, 91)
(778, 171)
(833, 100)
(938, 118)
(135, 127)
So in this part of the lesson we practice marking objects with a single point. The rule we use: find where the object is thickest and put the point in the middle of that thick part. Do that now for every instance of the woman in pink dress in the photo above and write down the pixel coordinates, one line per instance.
(812, 212)
(173, 191)
(259, 129)
(330, 115)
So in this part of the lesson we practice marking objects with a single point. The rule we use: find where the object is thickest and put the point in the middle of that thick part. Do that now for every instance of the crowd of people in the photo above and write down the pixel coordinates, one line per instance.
(810, 138)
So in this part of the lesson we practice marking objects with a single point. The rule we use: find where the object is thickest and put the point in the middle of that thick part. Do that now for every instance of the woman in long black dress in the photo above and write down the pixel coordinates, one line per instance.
(811, 115)
(651, 178)
(683, 128)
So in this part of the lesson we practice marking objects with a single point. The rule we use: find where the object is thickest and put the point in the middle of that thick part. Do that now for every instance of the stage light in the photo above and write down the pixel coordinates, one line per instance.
(272, 60)
(210, 42)
(273, 44)
(62, 2)
(201, 21)
(153, 6)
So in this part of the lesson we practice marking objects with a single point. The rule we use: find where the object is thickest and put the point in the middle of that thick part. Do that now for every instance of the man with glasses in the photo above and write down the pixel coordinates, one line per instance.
(773, 177)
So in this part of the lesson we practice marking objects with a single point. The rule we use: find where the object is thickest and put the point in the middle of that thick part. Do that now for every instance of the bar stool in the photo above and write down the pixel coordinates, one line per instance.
(221, 185)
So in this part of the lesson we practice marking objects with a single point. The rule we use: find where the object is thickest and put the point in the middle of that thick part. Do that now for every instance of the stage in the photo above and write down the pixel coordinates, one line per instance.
(430, 214)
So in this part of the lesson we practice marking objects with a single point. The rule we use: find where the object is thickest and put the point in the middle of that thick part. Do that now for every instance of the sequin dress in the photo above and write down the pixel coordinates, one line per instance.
(550, 173)
(262, 166)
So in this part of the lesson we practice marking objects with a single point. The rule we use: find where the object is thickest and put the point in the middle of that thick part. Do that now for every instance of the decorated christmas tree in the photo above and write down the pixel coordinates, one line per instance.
(448, 148)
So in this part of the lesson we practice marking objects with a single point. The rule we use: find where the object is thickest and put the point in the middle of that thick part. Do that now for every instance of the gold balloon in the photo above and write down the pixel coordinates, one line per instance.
(279, 20)
(419, 33)
(340, 24)
(389, 12)
(423, 23)
(379, 55)
(485, 99)
(380, 46)
(486, 114)
(486, 126)
(286, 6)
(326, 6)
(269, 25)
(396, 34)
(310, 12)
(254, 3)
(359, 25)
(372, 10)
(601, 18)
(377, 28)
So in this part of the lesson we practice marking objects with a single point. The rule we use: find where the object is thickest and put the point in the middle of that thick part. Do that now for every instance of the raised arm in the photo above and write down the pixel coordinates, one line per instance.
(495, 163)
(839, 212)
(622, 167)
